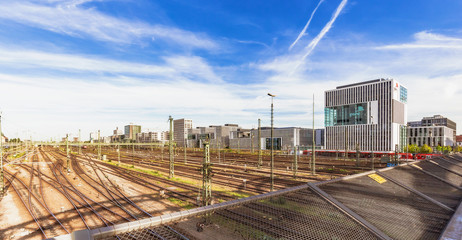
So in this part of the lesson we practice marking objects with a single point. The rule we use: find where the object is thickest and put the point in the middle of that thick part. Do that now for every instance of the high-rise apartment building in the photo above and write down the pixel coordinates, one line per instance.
(180, 130)
(131, 131)
(368, 115)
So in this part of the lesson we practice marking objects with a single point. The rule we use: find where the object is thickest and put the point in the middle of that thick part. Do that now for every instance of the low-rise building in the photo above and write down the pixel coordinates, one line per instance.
(4, 139)
(118, 135)
(433, 131)
(459, 140)
(151, 137)
(217, 135)
(283, 138)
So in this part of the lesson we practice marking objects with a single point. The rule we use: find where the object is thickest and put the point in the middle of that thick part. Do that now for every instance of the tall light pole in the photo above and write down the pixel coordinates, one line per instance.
(272, 155)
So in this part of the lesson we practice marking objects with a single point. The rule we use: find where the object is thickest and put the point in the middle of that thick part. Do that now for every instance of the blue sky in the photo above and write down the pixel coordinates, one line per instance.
(82, 64)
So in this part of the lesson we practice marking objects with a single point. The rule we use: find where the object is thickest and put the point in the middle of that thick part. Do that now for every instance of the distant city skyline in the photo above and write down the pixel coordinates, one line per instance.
(97, 65)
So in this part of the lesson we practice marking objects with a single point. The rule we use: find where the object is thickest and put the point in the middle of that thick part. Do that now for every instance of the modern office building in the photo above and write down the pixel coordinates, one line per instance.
(433, 131)
(131, 131)
(369, 115)
(180, 130)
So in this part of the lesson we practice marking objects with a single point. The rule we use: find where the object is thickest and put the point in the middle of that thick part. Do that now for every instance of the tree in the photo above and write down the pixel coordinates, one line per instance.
(426, 149)
(458, 149)
(447, 149)
(439, 148)
(412, 148)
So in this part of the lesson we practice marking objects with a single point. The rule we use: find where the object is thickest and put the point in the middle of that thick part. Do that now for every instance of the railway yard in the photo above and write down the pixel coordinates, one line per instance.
(44, 200)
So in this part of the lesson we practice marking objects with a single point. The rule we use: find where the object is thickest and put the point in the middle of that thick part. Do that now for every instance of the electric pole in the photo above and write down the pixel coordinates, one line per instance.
(251, 141)
(67, 153)
(272, 143)
(1, 157)
(99, 146)
(80, 147)
(260, 163)
(206, 177)
(118, 152)
(184, 147)
(295, 162)
(170, 147)
(313, 171)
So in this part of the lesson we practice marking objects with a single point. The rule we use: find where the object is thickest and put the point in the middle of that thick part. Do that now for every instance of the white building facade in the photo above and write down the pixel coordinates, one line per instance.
(180, 130)
(370, 116)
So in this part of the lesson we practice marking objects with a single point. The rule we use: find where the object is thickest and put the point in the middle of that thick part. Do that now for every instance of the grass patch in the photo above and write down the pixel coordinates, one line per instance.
(18, 155)
(237, 194)
(181, 203)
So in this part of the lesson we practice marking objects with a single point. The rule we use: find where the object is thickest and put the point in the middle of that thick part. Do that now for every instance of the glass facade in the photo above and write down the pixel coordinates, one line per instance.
(277, 143)
(346, 115)
(403, 94)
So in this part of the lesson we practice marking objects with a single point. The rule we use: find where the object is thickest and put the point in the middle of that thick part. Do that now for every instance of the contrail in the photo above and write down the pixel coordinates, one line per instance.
(306, 26)
(323, 32)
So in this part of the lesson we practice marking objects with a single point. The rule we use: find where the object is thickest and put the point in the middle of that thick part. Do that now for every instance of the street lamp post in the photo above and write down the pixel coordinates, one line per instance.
(272, 154)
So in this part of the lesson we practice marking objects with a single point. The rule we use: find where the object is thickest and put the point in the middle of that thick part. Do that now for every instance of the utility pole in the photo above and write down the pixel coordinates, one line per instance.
(357, 155)
(313, 170)
(184, 146)
(80, 147)
(295, 162)
(219, 151)
(346, 145)
(118, 152)
(67, 153)
(260, 163)
(170, 147)
(2, 190)
(251, 141)
(238, 148)
(133, 154)
(272, 154)
(372, 160)
(206, 177)
(99, 146)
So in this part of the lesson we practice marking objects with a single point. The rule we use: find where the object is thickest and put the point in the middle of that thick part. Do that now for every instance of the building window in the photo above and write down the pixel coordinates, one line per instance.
(346, 115)
(403, 94)
(277, 143)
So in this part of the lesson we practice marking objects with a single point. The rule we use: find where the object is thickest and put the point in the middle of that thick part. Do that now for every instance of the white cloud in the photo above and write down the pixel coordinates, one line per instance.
(173, 67)
(427, 40)
(72, 19)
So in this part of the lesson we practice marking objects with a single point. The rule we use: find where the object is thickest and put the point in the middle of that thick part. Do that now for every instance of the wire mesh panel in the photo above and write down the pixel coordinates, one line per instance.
(426, 184)
(395, 211)
(164, 232)
(297, 215)
(441, 172)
